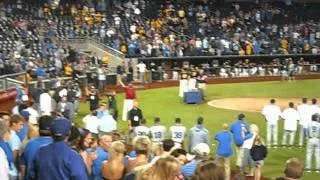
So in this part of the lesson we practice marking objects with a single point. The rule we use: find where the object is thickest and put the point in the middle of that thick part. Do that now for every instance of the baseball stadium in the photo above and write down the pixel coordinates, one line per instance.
(154, 90)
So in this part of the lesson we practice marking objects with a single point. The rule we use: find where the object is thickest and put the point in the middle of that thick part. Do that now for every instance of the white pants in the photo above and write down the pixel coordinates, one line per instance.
(301, 135)
(127, 106)
(284, 137)
(272, 131)
(192, 84)
(313, 148)
(239, 153)
(183, 87)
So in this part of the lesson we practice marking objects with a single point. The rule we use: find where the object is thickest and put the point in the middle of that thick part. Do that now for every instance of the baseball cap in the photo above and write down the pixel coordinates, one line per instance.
(25, 115)
(45, 124)
(60, 127)
(201, 149)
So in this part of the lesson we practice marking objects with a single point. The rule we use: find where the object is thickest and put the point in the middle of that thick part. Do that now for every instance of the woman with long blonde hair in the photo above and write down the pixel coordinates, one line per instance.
(258, 153)
(165, 168)
(114, 169)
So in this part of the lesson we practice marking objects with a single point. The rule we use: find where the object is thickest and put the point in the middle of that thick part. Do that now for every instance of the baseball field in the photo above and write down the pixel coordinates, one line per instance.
(222, 105)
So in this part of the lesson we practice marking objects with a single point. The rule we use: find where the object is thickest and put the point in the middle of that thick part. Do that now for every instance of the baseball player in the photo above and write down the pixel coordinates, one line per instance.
(178, 132)
(272, 114)
(305, 119)
(313, 145)
(291, 117)
(158, 131)
(142, 130)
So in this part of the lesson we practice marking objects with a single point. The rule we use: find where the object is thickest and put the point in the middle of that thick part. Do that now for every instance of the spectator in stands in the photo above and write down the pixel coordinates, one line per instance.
(240, 130)
(105, 142)
(224, 149)
(164, 168)
(180, 155)
(33, 145)
(293, 169)
(114, 167)
(87, 150)
(45, 157)
(198, 134)
(209, 170)
(6, 156)
(142, 147)
(15, 125)
(201, 152)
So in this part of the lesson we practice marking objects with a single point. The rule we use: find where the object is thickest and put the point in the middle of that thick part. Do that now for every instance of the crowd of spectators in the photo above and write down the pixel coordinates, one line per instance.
(29, 148)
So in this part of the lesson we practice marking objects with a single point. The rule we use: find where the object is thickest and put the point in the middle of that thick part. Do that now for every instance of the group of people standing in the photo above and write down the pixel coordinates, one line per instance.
(307, 116)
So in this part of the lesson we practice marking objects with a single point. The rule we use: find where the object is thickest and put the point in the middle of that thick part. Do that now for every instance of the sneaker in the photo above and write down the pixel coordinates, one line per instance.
(300, 147)
(317, 171)
(308, 171)
(275, 146)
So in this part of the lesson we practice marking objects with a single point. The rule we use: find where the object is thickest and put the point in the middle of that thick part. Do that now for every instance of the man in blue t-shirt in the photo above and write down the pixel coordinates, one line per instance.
(224, 149)
(105, 141)
(241, 131)
(57, 160)
(33, 145)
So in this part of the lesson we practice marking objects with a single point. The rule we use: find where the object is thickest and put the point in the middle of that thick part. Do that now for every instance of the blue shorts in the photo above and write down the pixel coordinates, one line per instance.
(259, 163)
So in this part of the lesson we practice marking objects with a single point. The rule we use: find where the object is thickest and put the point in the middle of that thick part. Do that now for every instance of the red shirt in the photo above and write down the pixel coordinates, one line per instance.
(130, 93)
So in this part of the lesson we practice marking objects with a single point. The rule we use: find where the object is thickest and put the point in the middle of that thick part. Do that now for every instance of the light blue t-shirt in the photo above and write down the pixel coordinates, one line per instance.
(14, 141)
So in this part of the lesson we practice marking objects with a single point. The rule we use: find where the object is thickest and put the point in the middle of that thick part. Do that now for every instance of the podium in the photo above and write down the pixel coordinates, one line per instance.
(192, 97)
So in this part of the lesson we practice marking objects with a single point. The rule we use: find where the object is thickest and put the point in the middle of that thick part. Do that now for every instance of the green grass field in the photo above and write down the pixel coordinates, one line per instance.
(166, 104)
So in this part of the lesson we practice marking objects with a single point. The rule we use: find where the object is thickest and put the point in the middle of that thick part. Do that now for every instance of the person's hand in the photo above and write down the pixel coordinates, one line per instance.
(93, 156)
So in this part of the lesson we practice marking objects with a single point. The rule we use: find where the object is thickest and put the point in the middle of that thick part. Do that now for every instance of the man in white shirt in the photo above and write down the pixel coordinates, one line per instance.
(178, 132)
(158, 131)
(142, 130)
(92, 122)
(305, 119)
(313, 145)
(272, 114)
(290, 116)
(141, 68)
(314, 107)
(45, 103)
(4, 163)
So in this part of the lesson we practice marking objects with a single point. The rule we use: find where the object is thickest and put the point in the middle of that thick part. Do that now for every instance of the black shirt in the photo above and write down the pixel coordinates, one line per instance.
(135, 116)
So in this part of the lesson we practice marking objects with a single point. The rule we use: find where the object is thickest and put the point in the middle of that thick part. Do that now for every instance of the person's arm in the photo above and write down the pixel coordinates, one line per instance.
(121, 83)
(77, 167)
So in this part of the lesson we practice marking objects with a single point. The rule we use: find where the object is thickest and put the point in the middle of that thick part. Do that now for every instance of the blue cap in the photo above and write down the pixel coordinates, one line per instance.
(60, 127)
(25, 115)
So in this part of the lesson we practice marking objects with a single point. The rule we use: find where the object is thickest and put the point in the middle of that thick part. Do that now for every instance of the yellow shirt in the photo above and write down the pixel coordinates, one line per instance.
(249, 49)
(181, 13)
(284, 43)
(68, 70)
(123, 49)
(106, 59)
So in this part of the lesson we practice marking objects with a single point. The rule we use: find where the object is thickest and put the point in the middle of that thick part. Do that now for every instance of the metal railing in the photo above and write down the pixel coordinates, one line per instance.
(9, 81)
